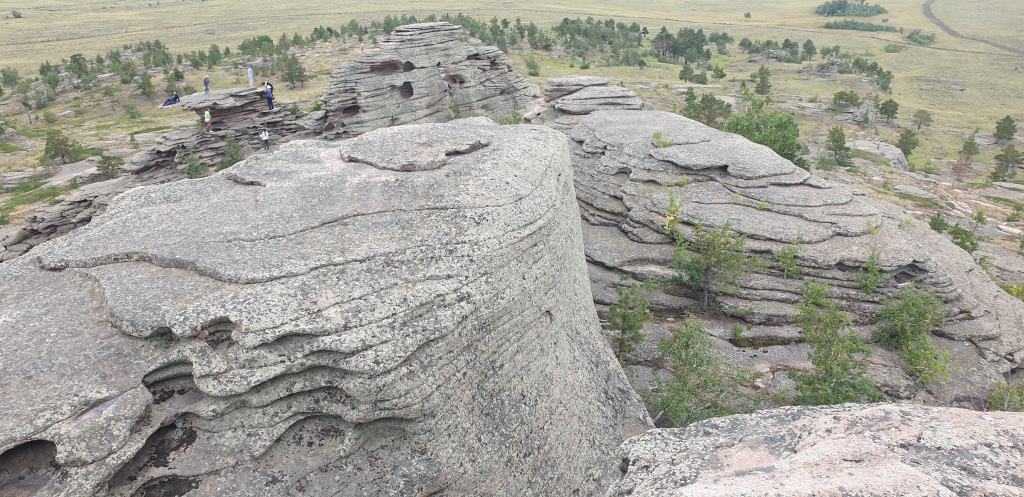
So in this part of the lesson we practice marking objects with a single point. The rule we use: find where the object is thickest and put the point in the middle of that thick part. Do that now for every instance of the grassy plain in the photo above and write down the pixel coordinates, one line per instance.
(925, 77)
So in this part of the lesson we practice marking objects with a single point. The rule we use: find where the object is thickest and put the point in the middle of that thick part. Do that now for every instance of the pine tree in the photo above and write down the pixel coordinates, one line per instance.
(836, 144)
(1010, 157)
(809, 49)
(908, 141)
(889, 108)
(922, 118)
(763, 84)
(293, 71)
(1005, 129)
(969, 150)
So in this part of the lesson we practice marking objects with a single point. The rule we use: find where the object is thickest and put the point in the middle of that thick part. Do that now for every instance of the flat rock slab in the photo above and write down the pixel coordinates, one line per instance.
(915, 191)
(867, 450)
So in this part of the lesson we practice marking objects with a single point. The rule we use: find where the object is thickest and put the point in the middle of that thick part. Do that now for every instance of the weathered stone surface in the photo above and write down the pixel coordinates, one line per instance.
(623, 183)
(886, 150)
(866, 450)
(416, 76)
(915, 191)
(303, 324)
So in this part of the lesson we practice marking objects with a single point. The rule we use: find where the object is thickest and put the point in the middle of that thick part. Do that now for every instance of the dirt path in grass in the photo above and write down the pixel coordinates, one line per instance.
(927, 7)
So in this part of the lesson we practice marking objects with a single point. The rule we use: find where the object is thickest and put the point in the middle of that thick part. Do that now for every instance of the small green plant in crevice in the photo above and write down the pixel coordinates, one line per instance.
(711, 263)
(904, 324)
(672, 213)
(1007, 397)
(964, 238)
(938, 223)
(195, 168)
(232, 154)
(786, 258)
(514, 117)
(870, 274)
(761, 206)
(838, 377)
(659, 142)
(907, 225)
(978, 219)
(702, 384)
(1014, 291)
(628, 316)
(873, 226)
(1014, 217)
(109, 165)
(456, 111)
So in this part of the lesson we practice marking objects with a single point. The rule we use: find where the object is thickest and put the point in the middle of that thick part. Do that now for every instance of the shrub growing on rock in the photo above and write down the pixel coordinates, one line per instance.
(838, 378)
(702, 384)
(711, 262)
(628, 316)
(1008, 397)
(904, 324)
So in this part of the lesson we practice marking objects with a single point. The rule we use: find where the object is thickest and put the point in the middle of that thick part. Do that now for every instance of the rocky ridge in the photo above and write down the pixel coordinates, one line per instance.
(403, 313)
(624, 181)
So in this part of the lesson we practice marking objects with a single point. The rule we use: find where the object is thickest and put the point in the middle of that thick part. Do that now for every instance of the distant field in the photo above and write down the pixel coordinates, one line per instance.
(993, 79)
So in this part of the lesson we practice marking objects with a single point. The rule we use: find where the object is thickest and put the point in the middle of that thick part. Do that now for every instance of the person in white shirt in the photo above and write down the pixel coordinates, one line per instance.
(265, 136)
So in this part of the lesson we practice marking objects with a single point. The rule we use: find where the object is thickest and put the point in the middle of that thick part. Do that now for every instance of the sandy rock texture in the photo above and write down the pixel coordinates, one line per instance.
(403, 313)
(624, 181)
(864, 450)
(419, 74)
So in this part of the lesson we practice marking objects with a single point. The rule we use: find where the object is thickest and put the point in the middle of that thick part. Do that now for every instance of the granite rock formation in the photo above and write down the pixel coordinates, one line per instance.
(623, 184)
(403, 313)
(865, 450)
(402, 82)
(571, 96)
(419, 73)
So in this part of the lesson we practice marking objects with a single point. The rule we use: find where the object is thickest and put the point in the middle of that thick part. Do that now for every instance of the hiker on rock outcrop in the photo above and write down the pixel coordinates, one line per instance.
(250, 77)
(265, 137)
(206, 83)
(173, 100)
(208, 120)
(270, 95)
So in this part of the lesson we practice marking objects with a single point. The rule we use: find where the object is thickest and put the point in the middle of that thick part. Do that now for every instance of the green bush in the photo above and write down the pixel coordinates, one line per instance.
(904, 324)
(49, 117)
(964, 238)
(195, 169)
(532, 67)
(1008, 397)
(131, 111)
(711, 262)
(894, 48)
(938, 223)
(514, 117)
(857, 26)
(628, 316)
(786, 258)
(702, 384)
(916, 36)
(837, 378)
(870, 274)
(109, 164)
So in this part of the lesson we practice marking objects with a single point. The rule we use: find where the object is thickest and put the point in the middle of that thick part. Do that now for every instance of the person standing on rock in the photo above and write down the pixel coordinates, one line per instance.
(250, 77)
(208, 120)
(206, 83)
(270, 95)
(265, 136)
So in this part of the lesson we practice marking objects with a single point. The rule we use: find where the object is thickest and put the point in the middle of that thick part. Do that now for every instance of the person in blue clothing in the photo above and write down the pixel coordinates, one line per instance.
(206, 83)
(250, 77)
(270, 95)
(173, 100)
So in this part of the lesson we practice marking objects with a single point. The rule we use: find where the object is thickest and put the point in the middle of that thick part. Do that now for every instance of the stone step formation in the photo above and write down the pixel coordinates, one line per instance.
(403, 313)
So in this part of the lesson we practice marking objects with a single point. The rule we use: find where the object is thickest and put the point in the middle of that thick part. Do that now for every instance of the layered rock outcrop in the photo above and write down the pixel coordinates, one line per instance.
(421, 73)
(864, 450)
(624, 181)
(405, 313)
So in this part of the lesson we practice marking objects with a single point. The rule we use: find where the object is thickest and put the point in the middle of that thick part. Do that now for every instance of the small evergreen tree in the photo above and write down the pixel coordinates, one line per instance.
(1009, 158)
(764, 85)
(908, 141)
(712, 262)
(969, 150)
(889, 108)
(905, 322)
(293, 71)
(1005, 129)
(109, 164)
(836, 144)
(922, 118)
(60, 145)
(809, 49)
(146, 85)
(628, 316)
(838, 378)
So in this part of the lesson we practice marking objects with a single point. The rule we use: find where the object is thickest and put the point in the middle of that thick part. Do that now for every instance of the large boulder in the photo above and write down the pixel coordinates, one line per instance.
(624, 182)
(865, 450)
(404, 313)
(421, 73)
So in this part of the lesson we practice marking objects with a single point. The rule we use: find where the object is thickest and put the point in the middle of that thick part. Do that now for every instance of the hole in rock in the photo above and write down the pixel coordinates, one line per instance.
(385, 68)
(405, 91)
(494, 64)
(27, 468)
(168, 486)
(454, 79)
(468, 149)
(408, 66)
(351, 110)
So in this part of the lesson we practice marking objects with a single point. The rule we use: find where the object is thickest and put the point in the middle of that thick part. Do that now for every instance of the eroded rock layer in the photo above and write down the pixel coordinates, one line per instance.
(625, 179)
(422, 73)
(865, 450)
(404, 313)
